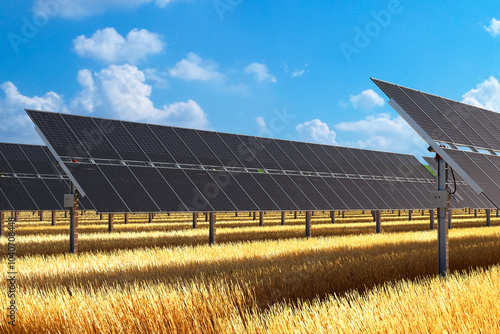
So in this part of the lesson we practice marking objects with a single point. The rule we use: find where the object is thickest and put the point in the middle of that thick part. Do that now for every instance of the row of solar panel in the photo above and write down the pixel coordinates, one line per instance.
(37, 184)
(29, 194)
(461, 188)
(86, 137)
(146, 189)
(27, 159)
(446, 120)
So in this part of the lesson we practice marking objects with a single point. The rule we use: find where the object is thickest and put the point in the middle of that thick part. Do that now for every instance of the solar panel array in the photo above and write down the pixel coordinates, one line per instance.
(135, 167)
(440, 120)
(30, 179)
(465, 195)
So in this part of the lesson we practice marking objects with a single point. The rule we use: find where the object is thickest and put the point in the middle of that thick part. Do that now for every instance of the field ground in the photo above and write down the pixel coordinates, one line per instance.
(163, 277)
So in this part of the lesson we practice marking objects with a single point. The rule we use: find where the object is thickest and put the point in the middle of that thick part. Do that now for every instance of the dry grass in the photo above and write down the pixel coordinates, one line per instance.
(325, 284)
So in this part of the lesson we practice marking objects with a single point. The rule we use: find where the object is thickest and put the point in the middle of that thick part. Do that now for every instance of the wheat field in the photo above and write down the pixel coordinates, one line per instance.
(344, 279)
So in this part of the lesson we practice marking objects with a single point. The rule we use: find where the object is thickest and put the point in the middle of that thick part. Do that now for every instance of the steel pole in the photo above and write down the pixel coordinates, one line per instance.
(443, 250)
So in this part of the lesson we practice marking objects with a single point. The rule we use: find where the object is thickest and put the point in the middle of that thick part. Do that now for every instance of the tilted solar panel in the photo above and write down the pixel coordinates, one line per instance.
(126, 166)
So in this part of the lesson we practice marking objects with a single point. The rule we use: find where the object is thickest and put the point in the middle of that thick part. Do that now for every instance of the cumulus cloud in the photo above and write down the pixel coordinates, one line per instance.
(109, 46)
(493, 28)
(122, 92)
(383, 132)
(316, 131)
(16, 125)
(195, 68)
(115, 92)
(261, 123)
(366, 100)
(78, 9)
(261, 72)
(485, 95)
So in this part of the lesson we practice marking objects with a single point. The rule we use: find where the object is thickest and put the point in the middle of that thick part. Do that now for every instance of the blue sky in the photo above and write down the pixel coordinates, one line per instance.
(291, 70)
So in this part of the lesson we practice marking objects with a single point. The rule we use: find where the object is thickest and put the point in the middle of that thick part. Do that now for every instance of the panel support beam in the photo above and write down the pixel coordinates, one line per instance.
(125, 218)
(40, 214)
(475, 213)
(53, 218)
(195, 220)
(212, 230)
(308, 224)
(409, 214)
(282, 218)
(332, 216)
(110, 223)
(73, 222)
(488, 217)
(343, 214)
(261, 218)
(443, 250)
(150, 218)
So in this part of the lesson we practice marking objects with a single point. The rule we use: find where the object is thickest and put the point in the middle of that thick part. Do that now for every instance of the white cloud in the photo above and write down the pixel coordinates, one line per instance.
(316, 131)
(109, 46)
(78, 9)
(366, 100)
(195, 68)
(115, 92)
(493, 28)
(16, 125)
(159, 78)
(485, 95)
(260, 71)
(382, 132)
(298, 73)
(261, 123)
(122, 92)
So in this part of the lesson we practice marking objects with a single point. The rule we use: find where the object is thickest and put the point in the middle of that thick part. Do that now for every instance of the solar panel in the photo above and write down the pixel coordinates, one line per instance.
(148, 142)
(238, 195)
(279, 195)
(198, 147)
(259, 196)
(174, 145)
(158, 188)
(444, 121)
(334, 199)
(259, 152)
(99, 191)
(31, 179)
(136, 167)
(239, 149)
(185, 189)
(294, 155)
(90, 137)
(311, 193)
(310, 157)
(283, 161)
(220, 149)
(17, 159)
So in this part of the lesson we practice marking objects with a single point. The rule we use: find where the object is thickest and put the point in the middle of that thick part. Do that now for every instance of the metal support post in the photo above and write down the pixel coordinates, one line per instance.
(73, 222)
(283, 218)
(377, 219)
(332, 216)
(488, 217)
(443, 250)
(261, 218)
(53, 218)
(308, 224)
(409, 214)
(195, 222)
(449, 219)
(110, 222)
(125, 218)
(212, 230)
